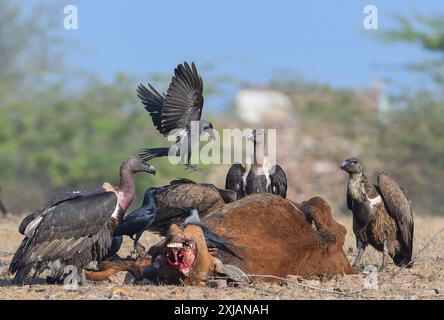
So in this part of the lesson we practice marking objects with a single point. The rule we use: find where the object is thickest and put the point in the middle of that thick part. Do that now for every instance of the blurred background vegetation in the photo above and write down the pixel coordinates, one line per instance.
(55, 136)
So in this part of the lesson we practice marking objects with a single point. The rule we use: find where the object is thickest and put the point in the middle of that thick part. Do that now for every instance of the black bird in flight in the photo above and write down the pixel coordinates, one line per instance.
(257, 177)
(174, 112)
(382, 215)
(212, 239)
(76, 227)
(138, 221)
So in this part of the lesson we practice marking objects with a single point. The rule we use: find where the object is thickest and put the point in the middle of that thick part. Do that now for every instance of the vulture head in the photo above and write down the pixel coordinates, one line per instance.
(352, 166)
(134, 165)
(206, 126)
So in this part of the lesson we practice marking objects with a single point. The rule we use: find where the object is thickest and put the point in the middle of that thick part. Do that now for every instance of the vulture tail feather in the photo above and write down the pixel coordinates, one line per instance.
(151, 153)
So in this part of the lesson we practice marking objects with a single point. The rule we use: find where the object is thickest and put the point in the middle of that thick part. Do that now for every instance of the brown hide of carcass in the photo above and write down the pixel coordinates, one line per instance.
(275, 238)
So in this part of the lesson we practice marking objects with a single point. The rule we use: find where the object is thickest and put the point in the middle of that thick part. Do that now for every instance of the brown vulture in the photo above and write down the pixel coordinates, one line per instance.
(173, 113)
(382, 215)
(186, 193)
(257, 177)
(76, 227)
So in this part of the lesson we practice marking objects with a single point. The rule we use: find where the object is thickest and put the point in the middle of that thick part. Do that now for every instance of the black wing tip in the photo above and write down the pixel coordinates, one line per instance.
(147, 155)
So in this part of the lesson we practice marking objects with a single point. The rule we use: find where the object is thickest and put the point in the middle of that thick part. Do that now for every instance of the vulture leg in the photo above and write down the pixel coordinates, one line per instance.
(384, 257)
(136, 239)
(361, 250)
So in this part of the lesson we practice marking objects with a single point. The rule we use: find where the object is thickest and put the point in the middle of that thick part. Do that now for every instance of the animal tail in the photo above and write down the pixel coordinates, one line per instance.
(151, 153)
(403, 259)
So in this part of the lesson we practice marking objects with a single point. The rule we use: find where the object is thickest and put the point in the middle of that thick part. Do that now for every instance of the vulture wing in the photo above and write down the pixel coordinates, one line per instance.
(278, 185)
(70, 227)
(56, 200)
(184, 99)
(398, 207)
(234, 180)
(182, 193)
(153, 102)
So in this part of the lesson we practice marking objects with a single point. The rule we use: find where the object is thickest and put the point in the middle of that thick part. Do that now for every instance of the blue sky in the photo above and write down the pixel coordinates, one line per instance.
(322, 40)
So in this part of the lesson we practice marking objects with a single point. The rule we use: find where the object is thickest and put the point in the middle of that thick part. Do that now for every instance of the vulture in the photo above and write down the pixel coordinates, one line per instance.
(186, 193)
(382, 215)
(257, 177)
(212, 239)
(173, 113)
(76, 227)
(235, 180)
(138, 221)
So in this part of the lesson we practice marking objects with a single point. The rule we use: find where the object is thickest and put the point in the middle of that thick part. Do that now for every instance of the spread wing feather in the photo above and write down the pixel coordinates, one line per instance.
(153, 102)
(184, 99)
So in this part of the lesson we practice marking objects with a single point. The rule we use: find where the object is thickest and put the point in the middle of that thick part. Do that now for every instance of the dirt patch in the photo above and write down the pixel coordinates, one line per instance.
(424, 281)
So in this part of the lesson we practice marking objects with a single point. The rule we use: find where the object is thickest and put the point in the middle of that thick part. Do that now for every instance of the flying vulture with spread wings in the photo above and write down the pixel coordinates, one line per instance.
(257, 177)
(174, 113)
(76, 227)
(382, 215)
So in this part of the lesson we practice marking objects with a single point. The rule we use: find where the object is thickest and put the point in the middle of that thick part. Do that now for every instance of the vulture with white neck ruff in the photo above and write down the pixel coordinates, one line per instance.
(257, 177)
(76, 227)
(382, 215)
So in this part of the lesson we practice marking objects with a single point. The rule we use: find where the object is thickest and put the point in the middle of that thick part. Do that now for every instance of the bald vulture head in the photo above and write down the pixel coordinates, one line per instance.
(352, 166)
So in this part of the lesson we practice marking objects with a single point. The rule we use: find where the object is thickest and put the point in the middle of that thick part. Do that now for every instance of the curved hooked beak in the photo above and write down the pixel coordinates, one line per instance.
(150, 169)
(344, 164)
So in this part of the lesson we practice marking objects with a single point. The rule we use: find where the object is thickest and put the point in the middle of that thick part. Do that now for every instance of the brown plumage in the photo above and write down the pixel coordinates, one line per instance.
(186, 193)
(382, 215)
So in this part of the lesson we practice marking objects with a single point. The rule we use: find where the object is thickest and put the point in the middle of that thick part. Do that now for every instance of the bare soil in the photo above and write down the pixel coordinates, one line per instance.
(425, 280)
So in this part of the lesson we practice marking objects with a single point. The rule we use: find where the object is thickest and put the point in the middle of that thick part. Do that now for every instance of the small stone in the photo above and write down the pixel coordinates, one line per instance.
(118, 278)
(120, 292)
(217, 283)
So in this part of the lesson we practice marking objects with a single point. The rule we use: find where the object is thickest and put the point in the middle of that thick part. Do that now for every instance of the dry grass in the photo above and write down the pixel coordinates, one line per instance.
(424, 281)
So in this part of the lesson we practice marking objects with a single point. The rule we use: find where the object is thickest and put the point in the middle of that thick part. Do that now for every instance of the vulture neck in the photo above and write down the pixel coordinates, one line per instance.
(127, 189)
(259, 151)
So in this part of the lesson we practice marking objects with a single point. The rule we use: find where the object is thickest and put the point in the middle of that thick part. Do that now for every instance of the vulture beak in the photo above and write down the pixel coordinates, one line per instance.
(151, 169)
(211, 133)
(344, 164)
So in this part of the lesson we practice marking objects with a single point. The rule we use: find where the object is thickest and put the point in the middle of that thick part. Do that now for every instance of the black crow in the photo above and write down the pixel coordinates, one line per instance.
(138, 221)
(212, 239)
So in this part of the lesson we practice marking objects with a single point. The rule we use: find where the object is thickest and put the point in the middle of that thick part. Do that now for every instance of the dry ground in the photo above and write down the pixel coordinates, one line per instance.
(424, 281)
